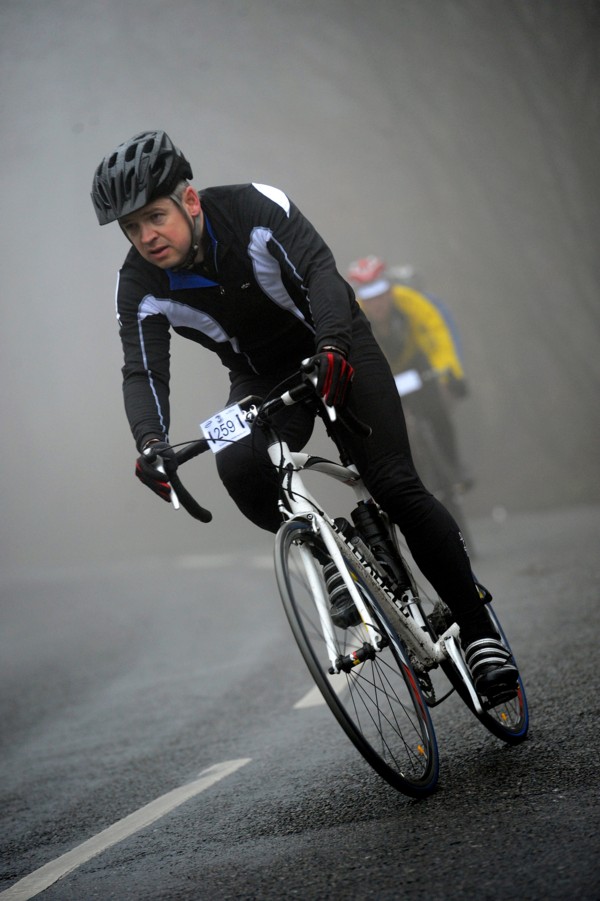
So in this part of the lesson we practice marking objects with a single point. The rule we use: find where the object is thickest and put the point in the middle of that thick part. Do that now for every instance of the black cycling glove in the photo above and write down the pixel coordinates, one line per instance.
(457, 387)
(146, 468)
(334, 375)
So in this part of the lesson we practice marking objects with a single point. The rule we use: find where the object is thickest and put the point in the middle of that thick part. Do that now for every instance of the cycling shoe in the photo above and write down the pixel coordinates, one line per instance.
(493, 670)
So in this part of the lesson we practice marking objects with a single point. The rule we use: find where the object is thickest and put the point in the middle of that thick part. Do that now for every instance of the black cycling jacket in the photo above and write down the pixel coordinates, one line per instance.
(265, 297)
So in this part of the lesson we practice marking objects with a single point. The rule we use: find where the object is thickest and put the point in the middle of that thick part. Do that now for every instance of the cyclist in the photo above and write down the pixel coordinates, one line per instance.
(415, 331)
(239, 270)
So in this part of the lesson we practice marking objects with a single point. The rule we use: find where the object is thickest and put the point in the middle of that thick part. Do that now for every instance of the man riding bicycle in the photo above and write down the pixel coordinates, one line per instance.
(240, 271)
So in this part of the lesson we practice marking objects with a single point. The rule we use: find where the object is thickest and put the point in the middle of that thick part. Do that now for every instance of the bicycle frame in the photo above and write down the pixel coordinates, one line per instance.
(298, 503)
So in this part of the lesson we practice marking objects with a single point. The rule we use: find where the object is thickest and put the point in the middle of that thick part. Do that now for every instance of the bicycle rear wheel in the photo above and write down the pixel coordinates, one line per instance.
(509, 720)
(378, 702)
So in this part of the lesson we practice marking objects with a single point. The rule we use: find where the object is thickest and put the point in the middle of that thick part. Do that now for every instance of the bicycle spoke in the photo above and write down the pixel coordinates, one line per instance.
(374, 710)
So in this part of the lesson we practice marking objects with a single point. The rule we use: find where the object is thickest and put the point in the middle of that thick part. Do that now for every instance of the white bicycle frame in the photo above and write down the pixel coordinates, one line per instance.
(298, 503)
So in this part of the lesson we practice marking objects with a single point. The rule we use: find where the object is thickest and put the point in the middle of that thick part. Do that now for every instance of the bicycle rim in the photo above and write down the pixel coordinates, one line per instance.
(378, 703)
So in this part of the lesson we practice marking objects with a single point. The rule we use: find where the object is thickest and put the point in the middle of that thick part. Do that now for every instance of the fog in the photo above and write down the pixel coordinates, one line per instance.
(459, 136)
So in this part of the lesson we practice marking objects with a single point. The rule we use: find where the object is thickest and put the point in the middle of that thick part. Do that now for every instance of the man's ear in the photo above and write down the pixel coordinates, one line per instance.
(191, 201)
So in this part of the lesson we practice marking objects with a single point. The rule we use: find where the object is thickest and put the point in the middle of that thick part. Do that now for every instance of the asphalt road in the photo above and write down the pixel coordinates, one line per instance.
(122, 685)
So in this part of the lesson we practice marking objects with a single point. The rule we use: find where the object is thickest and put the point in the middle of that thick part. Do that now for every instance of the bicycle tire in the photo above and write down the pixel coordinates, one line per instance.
(378, 703)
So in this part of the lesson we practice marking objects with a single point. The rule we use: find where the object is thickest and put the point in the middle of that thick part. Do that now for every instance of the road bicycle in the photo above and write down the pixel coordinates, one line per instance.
(432, 460)
(382, 677)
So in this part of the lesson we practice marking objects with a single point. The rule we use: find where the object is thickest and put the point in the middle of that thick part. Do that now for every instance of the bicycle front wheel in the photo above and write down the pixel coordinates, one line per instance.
(377, 702)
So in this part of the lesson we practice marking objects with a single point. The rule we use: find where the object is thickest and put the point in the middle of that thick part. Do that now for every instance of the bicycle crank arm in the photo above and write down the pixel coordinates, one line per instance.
(457, 659)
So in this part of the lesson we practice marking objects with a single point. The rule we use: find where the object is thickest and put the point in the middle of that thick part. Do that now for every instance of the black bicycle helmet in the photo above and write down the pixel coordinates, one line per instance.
(140, 170)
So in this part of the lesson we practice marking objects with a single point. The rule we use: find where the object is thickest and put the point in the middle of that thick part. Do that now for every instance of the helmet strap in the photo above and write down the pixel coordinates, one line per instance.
(194, 223)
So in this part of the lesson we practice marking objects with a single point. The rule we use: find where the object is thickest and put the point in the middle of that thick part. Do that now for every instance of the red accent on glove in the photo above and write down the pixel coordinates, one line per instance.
(334, 377)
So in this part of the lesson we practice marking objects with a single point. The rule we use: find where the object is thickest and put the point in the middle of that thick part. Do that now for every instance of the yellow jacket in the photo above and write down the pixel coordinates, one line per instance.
(429, 331)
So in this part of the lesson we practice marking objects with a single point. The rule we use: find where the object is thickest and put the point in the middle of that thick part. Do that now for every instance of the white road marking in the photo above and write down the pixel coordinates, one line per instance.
(312, 698)
(41, 879)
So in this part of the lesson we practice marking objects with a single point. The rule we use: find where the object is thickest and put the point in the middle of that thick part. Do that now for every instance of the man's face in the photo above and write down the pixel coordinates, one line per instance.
(160, 231)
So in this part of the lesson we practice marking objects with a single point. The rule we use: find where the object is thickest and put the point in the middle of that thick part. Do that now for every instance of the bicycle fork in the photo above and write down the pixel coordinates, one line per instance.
(375, 640)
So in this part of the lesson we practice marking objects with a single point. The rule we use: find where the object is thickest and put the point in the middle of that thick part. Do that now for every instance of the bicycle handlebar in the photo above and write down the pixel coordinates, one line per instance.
(303, 391)
(306, 391)
(187, 500)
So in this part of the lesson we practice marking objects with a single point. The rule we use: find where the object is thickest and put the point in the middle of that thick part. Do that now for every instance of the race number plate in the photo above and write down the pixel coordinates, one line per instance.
(224, 428)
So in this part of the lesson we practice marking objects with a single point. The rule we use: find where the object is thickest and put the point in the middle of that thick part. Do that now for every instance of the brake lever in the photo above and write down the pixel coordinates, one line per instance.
(345, 417)
(174, 498)
(313, 379)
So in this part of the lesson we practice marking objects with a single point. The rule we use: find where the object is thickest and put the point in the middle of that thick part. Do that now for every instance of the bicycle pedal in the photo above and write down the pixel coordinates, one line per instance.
(502, 695)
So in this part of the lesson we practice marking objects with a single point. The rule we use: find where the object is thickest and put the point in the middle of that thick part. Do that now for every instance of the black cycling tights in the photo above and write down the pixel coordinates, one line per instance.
(385, 463)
